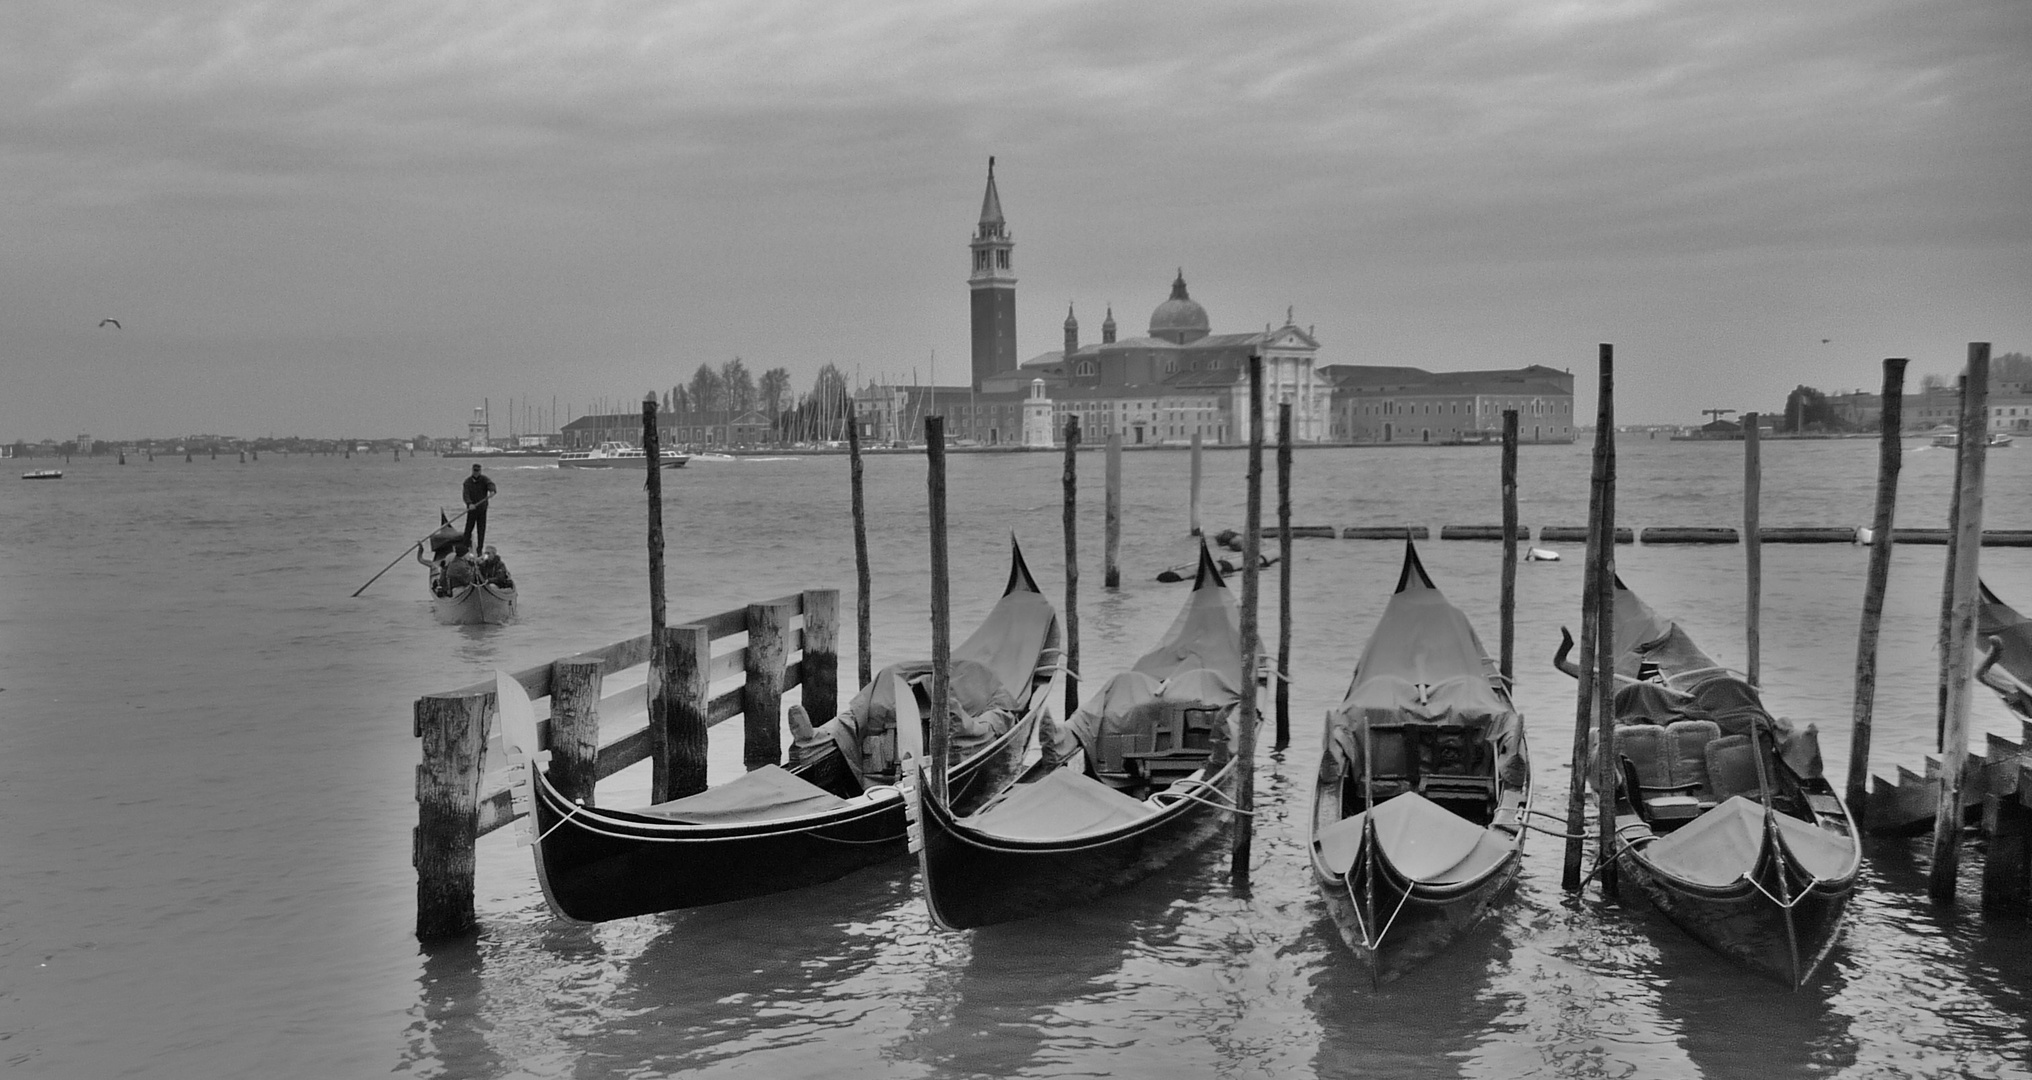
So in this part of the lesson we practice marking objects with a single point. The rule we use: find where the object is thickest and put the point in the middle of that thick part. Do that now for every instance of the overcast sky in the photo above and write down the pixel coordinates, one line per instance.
(330, 217)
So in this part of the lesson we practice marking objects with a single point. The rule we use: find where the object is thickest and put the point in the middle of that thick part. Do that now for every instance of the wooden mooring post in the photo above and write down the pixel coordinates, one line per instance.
(1111, 568)
(1071, 481)
(1597, 594)
(1753, 547)
(1192, 521)
(939, 731)
(1282, 693)
(453, 811)
(1252, 649)
(1961, 632)
(863, 583)
(1507, 661)
(1889, 459)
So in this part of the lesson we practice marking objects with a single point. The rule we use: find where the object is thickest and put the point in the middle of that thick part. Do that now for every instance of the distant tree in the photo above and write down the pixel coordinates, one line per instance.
(706, 389)
(738, 385)
(1806, 409)
(771, 390)
(680, 400)
(1932, 383)
(2011, 367)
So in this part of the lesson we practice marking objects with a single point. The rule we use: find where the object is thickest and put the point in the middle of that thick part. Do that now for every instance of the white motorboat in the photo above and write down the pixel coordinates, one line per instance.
(617, 455)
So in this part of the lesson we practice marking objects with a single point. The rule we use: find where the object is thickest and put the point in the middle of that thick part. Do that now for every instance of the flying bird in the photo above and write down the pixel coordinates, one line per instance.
(1824, 341)
(114, 323)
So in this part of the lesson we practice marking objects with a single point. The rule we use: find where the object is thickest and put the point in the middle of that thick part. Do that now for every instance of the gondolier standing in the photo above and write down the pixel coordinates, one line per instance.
(478, 489)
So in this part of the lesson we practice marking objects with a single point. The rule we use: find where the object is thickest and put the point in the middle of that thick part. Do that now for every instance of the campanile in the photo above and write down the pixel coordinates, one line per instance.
(993, 285)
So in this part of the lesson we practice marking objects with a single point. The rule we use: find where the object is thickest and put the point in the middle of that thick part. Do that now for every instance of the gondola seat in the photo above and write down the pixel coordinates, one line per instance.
(1732, 768)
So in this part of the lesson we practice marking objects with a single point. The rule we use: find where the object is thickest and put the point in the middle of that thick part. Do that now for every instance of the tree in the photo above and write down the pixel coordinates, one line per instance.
(706, 389)
(772, 390)
(738, 386)
(2011, 367)
(1806, 409)
(1931, 383)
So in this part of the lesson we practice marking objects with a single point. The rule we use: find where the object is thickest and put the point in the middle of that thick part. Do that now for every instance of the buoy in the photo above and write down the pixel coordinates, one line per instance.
(1865, 534)
(1540, 555)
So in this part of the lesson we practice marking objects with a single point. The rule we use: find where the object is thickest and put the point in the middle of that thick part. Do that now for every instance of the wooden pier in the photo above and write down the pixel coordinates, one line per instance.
(1996, 796)
(789, 642)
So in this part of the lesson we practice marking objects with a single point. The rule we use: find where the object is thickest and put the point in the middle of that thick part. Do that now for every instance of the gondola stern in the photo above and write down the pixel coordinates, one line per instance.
(1412, 565)
(1209, 574)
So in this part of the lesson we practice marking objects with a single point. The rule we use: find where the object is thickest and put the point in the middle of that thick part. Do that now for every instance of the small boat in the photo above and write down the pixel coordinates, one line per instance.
(1994, 439)
(617, 455)
(475, 605)
(1723, 819)
(711, 455)
(1139, 777)
(1539, 554)
(43, 474)
(836, 808)
(2005, 638)
(1424, 785)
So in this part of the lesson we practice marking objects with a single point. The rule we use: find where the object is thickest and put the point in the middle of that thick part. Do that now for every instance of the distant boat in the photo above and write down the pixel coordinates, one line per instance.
(617, 455)
(43, 474)
(712, 456)
(1953, 438)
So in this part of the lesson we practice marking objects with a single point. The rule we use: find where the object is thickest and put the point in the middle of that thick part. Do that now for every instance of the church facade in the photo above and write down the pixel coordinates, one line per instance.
(1177, 382)
(1180, 381)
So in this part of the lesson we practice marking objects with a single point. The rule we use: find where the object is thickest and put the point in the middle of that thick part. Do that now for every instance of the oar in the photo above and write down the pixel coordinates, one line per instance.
(442, 522)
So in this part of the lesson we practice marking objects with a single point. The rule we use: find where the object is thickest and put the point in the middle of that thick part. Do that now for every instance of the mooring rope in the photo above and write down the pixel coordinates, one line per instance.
(1803, 893)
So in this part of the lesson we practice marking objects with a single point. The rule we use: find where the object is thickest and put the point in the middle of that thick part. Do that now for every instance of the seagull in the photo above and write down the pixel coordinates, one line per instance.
(114, 323)
(1824, 341)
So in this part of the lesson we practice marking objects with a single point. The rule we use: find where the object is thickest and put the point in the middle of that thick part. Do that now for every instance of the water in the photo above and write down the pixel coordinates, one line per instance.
(206, 779)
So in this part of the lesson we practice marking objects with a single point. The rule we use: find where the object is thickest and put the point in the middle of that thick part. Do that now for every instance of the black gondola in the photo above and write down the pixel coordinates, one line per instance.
(1424, 785)
(836, 809)
(2006, 640)
(1138, 777)
(1723, 819)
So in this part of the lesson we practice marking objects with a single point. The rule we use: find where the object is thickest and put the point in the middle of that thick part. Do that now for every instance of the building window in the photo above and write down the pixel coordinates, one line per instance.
(1002, 259)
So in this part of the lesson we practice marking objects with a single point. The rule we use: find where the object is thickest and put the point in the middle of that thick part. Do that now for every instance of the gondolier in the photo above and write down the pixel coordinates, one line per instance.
(477, 490)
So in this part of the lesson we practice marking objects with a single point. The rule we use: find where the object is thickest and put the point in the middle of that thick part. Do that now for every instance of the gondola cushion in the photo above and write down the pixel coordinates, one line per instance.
(1732, 767)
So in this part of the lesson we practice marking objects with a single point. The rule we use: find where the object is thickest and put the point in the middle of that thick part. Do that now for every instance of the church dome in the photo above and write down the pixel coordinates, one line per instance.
(1180, 318)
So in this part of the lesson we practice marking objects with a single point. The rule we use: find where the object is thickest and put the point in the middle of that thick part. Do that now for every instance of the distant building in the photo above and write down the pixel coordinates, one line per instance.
(2010, 409)
(1373, 404)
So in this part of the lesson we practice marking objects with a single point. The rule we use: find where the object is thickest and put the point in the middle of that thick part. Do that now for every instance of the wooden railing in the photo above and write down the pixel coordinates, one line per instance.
(453, 811)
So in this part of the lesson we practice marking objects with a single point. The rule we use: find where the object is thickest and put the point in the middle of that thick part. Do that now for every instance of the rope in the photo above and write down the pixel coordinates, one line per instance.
(1173, 794)
(1557, 833)
(1782, 905)
(577, 805)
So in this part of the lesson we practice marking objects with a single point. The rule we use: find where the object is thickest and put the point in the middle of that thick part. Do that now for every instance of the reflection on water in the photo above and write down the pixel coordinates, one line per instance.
(209, 846)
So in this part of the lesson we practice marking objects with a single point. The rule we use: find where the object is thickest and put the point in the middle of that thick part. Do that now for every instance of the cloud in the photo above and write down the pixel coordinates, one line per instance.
(491, 183)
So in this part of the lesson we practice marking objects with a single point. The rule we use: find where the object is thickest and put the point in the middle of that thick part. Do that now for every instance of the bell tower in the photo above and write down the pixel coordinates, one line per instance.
(993, 285)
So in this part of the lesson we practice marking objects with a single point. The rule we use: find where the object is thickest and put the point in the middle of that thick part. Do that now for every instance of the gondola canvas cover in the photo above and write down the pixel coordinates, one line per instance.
(1424, 663)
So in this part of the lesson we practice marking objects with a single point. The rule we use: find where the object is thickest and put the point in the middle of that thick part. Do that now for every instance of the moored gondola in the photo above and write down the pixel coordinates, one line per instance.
(835, 809)
(2005, 636)
(1140, 776)
(1424, 785)
(1723, 819)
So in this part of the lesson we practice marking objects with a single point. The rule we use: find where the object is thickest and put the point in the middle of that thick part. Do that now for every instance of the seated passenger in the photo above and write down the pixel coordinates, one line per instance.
(459, 571)
(493, 571)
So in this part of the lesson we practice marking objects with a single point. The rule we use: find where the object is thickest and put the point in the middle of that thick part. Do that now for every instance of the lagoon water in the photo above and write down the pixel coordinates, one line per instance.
(206, 787)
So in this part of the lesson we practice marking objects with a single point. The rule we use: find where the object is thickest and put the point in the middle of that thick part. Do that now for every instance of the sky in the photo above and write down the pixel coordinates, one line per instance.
(362, 219)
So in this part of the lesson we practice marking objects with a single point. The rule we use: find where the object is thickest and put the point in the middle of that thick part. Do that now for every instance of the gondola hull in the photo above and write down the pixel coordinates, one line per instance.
(602, 864)
(1410, 922)
(1745, 922)
(598, 864)
(474, 605)
(974, 878)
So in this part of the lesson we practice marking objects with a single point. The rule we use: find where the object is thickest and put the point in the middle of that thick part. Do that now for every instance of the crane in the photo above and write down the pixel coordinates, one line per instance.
(1718, 413)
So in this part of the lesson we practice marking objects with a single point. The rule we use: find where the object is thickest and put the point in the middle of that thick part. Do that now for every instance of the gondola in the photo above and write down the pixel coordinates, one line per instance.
(475, 605)
(2006, 640)
(1723, 819)
(1139, 776)
(1424, 785)
(835, 809)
